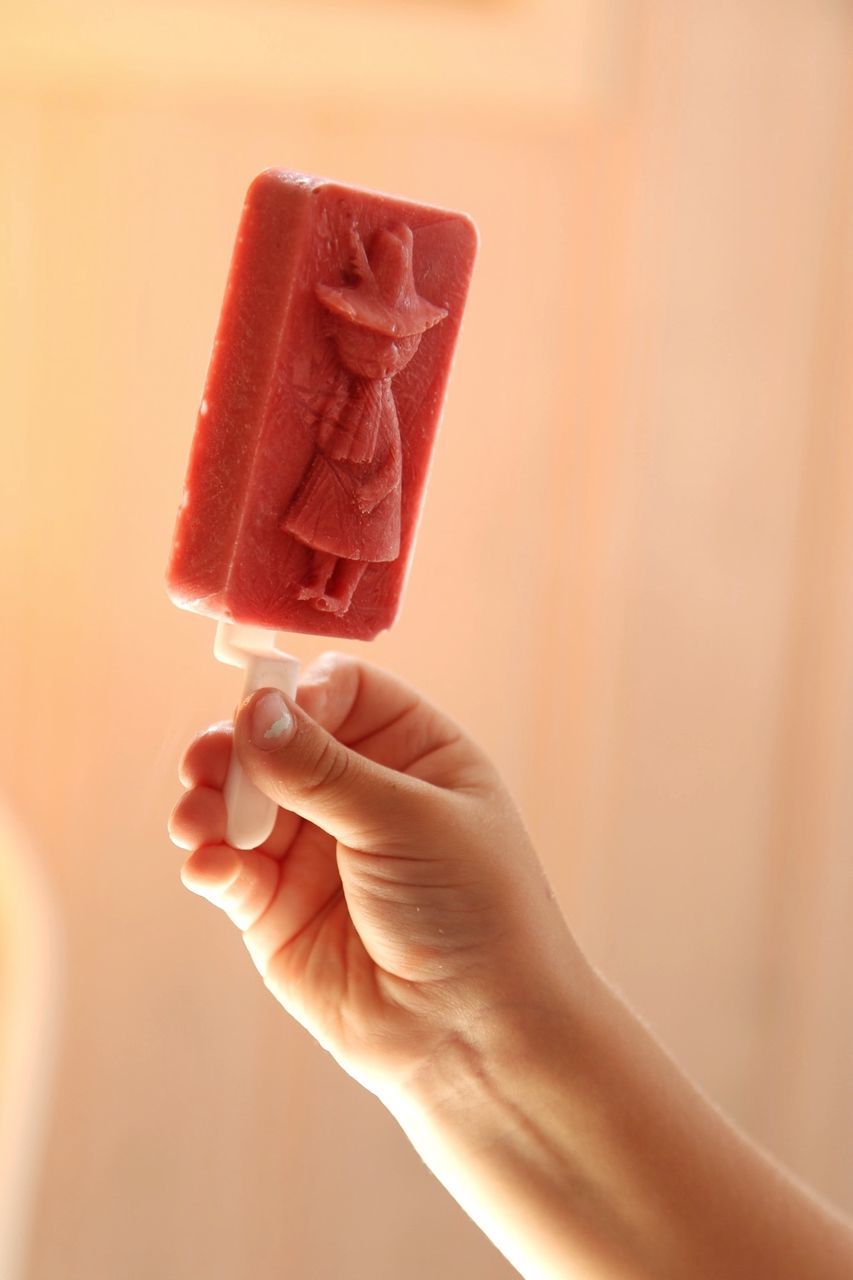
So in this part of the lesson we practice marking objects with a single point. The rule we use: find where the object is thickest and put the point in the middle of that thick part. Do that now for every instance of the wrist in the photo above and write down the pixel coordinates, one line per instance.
(492, 1055)
(504, 1115)
(573, 1140)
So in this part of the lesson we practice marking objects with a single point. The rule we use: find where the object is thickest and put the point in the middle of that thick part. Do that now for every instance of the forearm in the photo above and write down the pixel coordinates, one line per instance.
(572, 1139)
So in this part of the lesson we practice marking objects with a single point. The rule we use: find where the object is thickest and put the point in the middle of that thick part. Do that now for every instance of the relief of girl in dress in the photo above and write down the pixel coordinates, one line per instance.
(347, 507)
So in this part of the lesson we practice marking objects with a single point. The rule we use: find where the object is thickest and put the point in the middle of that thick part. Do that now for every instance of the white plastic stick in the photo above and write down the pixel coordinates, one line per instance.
(251, 814)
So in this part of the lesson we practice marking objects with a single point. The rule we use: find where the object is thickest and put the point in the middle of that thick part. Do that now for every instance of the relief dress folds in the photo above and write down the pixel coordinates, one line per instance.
(347, 508)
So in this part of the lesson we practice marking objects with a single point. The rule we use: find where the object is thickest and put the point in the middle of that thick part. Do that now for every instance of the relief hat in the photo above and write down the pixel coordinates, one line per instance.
(384, 299)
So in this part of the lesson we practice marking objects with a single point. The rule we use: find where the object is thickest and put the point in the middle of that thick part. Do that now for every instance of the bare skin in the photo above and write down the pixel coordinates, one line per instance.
(399, 912)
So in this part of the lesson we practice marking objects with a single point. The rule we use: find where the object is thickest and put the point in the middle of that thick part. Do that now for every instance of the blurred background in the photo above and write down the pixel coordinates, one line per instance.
(634, 580)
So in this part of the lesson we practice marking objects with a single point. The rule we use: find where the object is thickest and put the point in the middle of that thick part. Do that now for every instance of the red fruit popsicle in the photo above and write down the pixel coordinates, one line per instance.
(313, 442)
(312, 447)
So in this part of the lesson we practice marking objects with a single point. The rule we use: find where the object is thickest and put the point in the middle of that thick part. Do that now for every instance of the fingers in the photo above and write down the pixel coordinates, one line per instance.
(362, 746)
(269, 899)
(355, 700)
(305, 769)
(349, 698)
(242, 882)
(205, 761)
(386, 720)
(364, 707)
(198, 818)
(308, 881)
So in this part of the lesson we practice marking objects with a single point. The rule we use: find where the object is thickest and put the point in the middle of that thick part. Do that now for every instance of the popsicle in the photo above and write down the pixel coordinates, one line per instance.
(312, 447)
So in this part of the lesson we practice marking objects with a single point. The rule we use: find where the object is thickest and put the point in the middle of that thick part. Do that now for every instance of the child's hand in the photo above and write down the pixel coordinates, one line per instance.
(399, 912)
(398, 903)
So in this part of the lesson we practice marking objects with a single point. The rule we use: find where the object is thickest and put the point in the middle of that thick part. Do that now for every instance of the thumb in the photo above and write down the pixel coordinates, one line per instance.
(306, 770)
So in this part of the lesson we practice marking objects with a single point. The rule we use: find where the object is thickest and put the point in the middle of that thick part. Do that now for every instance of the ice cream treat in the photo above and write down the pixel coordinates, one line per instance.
(310, 457)
(313, 442)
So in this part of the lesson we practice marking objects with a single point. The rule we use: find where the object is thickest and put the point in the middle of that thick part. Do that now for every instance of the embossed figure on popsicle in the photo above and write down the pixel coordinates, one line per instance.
(347, 506)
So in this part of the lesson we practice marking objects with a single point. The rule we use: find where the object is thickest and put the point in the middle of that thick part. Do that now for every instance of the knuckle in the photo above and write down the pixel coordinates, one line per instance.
(329, 768)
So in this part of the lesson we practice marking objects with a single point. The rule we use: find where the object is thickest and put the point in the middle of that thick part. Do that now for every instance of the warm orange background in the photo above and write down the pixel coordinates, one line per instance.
(634, 580)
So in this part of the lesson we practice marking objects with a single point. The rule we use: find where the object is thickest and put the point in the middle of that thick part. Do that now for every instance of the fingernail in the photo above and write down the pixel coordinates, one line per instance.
(272, 723)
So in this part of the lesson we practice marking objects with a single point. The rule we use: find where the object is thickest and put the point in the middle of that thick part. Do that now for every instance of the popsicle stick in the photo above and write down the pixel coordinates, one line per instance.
(251, 814)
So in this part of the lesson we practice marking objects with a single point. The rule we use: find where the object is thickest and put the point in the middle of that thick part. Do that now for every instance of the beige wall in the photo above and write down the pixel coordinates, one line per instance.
(649, 579)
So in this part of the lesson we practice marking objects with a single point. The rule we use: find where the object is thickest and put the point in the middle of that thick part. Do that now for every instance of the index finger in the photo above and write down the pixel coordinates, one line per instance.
(374, 712)
(205, 761)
